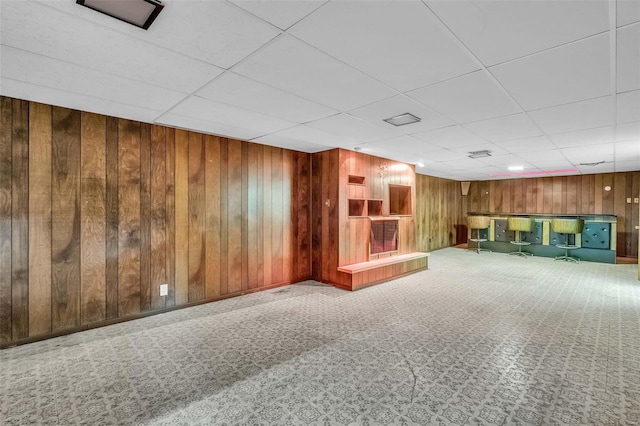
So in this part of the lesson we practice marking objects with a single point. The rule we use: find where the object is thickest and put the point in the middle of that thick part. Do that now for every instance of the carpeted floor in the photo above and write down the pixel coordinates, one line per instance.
(477, 339)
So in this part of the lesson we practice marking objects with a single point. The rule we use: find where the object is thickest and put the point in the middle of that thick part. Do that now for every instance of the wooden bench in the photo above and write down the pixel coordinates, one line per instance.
(364, 274)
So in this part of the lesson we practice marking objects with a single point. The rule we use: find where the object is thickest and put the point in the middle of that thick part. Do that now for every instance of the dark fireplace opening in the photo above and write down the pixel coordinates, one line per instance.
(384, 236)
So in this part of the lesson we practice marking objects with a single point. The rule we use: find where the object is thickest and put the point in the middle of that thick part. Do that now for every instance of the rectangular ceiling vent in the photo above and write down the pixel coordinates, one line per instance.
(403, 119)
(140, 13)
(480, 154)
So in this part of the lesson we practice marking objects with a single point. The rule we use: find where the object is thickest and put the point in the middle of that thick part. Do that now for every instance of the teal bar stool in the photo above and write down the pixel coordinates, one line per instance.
(567, 227)
(478, 223)
(520, 225)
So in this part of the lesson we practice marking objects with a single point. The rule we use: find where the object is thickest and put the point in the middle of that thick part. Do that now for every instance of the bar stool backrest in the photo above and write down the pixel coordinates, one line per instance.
(478, 222)
(523, 224)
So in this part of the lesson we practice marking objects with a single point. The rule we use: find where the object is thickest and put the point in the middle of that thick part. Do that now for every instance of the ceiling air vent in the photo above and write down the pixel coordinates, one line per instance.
(140, 13)
(480, 154)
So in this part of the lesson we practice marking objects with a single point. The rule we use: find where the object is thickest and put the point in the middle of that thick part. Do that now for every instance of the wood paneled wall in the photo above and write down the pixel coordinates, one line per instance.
(97, 212)
(338, 239)
(440, 213)
(582, 194)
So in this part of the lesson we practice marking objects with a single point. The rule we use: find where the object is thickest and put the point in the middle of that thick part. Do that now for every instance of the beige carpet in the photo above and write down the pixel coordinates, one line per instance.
(478, 339)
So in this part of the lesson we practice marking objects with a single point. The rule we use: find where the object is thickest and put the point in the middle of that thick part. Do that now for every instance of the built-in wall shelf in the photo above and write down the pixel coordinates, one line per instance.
(400, 200)
(355, 180)
(357, 207)
(374, 207)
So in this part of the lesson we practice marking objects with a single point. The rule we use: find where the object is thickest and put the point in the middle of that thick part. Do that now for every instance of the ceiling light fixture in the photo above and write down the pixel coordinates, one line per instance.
(420, 164)
(595, 163)
(480, 154)
(140, 13)
(403, 119)
(515, 168)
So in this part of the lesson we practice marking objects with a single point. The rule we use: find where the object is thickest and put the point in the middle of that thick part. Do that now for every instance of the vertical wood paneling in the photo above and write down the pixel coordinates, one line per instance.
(266, 217)
(40, 219)
(196, 217)
(112, 212)
(277, 258)
(244, 159)
(129, 284)
(20, 221)
(158, 266)
(234, 216)
(145, 217)
(6, 172)
(224, 217)
(93, 218)
(252, 215)
(286, 217)
(170, 226)
(212, 237)
(120, 207)
(181, 217)
(65, 205)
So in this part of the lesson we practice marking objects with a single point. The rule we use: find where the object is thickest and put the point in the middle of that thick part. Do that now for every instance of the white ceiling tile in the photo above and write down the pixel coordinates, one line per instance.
(287, 143)
(608, 167)
(391, 107)
(627, 166)
(308, 134)
(502, 159)
(576, 116)
(546, 158)
(205, 126)
(628, 107)
(595, 153)
(282, 14)
(517, 126)
(295, 67)
(450, 137)
(46, 31)
(526, 145)
(628, 131)
(406, 144)
(52, 96)
(353, 127)
(405, 33)
(587, 137)
(43, 71)
(471, 97)
(497, 31)
(236, 90)
(628, 58)
(628, 151)
(207, 110)
(569, 73)
(628, 11)
(213, 31)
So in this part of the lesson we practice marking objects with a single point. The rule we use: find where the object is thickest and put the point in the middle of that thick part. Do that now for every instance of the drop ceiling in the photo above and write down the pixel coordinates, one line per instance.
(546, 85)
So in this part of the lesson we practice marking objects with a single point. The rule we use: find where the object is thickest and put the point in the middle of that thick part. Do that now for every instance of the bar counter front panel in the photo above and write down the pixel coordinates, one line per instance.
(597, 242)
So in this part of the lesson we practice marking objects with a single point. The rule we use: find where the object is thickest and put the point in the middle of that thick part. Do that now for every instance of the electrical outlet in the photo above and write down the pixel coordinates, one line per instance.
(629, 200)
(635, 200)
(164, 289)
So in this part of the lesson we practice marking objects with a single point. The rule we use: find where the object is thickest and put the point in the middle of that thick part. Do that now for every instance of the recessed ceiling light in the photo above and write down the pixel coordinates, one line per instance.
(403, 119)
(420, 164)
(140, 13)
(480, 154)
(515, 168)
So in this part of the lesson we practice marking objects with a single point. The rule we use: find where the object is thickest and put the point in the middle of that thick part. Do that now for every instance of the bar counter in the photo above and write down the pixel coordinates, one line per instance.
(597, 242)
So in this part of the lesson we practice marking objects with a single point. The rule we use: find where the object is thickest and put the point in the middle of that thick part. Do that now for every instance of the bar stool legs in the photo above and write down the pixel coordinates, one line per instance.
(478, 223)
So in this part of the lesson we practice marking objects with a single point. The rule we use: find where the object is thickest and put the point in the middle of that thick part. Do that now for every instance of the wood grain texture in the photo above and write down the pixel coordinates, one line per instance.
(196, 217)
(6, 183)
(131, 206)
(112, 212)
(170, 226)
(93, 218)
(40, 135)
(573, 195)
(129, 284)
(145, 217)
(212, 238)
(65, 233)
(234, 216)
(158, 206)
(182, 217)
(20, 221)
